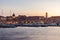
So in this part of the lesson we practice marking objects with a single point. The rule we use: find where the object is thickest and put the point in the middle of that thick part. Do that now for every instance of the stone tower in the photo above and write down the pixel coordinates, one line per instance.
(46, 15)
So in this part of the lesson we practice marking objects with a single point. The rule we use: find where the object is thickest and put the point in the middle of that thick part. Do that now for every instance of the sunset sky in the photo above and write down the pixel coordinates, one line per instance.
(30, 7)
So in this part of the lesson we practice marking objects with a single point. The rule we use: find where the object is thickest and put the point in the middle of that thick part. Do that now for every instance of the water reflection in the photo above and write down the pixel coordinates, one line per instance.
(30, 33)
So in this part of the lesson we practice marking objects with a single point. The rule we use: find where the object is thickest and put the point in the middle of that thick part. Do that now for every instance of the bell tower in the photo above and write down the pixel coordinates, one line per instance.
(46, 15)
(13, 15)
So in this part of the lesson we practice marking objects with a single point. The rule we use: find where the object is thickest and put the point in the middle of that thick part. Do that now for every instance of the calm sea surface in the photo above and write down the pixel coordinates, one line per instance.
(30, 33)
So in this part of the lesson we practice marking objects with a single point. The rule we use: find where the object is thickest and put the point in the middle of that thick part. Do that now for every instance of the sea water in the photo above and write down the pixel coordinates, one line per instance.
(30, 33)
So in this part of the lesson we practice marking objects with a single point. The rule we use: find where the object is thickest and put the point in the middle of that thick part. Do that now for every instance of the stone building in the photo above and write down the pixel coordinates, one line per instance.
(54, 19)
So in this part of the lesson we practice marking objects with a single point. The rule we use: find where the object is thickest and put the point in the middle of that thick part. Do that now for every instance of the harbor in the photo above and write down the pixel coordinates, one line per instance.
(27, 25)
(28, 21)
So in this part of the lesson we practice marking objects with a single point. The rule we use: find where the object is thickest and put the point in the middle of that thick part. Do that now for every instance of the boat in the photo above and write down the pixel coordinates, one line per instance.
(7, 26)
(31, 25)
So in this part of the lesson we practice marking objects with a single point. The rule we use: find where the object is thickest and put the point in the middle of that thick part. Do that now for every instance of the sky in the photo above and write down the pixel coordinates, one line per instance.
(30, 7)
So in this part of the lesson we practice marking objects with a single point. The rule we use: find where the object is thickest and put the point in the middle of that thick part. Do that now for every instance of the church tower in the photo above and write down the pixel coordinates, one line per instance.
(46, 15)
(13, 15)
